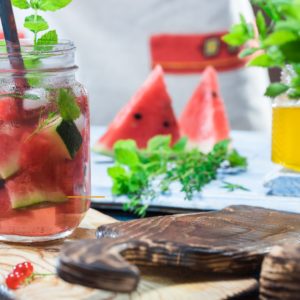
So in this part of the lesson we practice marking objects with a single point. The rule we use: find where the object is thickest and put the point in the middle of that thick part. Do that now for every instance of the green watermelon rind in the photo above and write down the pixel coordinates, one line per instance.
(36, 197)
(10, 167)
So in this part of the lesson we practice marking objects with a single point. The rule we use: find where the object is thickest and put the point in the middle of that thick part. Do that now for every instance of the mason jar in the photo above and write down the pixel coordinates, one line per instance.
(44, 143)
(286, 127)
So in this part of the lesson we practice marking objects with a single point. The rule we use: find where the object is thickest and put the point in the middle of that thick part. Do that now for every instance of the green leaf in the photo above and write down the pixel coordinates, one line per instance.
(159, 142)
(276, 89)
(53, 5)
(126, 157)
(289, 25)
(280, 37)
(68, 108)
(23, 4)
(116, 172)
(237, 36)
(233, 186)
(126, 144)
(180, 145)
(291, 51)
(49, 38)
(261, 24)
(36, 23)
(262, 60)
(236, 160)
(32, 62)
(247, 52)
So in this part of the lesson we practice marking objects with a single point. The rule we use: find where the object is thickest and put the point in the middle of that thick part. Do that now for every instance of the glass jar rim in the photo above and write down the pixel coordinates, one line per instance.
(28, 48)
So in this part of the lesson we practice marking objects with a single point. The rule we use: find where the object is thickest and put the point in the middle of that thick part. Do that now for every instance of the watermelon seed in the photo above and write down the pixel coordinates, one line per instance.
(214, 94)
(137, 116)
(166, 124)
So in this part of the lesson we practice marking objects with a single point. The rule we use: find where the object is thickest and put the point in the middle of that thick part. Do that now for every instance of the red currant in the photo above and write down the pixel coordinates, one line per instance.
(25, 268)
(13, 280)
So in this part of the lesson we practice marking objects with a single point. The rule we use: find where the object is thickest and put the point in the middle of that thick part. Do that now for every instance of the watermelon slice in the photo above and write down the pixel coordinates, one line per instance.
(204, 119)
(148, 113)
(33, 187)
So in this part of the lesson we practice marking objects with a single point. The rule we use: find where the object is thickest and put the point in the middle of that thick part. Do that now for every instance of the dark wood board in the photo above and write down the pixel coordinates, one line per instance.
(232, 241)
(280, 275)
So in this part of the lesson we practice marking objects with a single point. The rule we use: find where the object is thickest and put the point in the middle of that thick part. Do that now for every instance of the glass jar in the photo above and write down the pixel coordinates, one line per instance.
(44, 144)
(286, 128)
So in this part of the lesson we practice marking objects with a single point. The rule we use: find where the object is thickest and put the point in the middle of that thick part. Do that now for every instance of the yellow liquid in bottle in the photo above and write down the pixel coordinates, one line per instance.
(286, 137)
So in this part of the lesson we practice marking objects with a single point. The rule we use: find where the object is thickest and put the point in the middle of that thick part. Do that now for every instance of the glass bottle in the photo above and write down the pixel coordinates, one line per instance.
(286, 128)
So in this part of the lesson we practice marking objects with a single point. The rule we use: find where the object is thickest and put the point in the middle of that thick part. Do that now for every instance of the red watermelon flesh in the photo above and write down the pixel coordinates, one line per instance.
(9, 109)
(148, 113)
(204, 120)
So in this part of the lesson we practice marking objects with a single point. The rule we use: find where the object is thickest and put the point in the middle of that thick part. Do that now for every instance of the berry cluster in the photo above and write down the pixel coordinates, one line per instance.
(21, 273)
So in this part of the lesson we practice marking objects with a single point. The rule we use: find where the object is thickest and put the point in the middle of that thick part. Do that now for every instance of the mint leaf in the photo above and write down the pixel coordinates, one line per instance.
(261, 24)
(49, 38)
(68, 108)
(276, 89)
(236, 160)
(247, 52)
(280, 37)
(126, 157)
(290, 25)
(126, 144)
(159, 142)
(262, 60)
(36, 23)
(51, 5)
(23, 4)
(237, 36)
(291, 51)
(180, 145)
(116, 172)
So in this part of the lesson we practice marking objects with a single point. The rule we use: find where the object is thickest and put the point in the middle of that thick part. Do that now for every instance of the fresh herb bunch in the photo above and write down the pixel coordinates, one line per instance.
(274, 45)
(36, 23)
(145, 174)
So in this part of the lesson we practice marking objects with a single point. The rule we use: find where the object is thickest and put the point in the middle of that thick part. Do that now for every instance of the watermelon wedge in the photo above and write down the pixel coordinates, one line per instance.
(204, 120)
(148, 113)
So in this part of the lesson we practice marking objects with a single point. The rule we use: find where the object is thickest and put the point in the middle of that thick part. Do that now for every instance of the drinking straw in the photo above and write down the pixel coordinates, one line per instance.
(12, 43)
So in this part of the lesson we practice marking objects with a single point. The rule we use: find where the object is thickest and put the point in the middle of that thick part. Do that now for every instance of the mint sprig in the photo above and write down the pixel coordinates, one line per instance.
(145, 174)
(67, 105)
(36, 23)
(276, 44)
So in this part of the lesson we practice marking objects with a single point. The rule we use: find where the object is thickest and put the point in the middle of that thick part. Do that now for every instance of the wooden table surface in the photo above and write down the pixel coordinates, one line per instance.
(169, 284)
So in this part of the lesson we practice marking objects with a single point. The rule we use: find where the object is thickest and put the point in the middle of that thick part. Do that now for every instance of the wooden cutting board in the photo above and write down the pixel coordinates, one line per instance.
(232, 241)
(158, 284)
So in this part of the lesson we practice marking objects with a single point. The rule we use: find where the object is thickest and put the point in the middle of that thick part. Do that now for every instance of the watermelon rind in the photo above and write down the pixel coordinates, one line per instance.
(36, 197)
(10, 166)
(65, 135)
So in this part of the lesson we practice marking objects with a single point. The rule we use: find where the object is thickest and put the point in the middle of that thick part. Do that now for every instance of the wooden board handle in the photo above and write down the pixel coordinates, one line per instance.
(99, 264)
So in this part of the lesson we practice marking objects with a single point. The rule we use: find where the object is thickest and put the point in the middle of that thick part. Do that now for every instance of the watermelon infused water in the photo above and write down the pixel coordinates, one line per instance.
(44, 146)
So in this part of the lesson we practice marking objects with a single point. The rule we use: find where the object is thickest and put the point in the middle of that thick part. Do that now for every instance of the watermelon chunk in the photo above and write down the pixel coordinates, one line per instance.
(33, 187)
(147, 114)
(204, 120)
(9, 109)
(11, 139)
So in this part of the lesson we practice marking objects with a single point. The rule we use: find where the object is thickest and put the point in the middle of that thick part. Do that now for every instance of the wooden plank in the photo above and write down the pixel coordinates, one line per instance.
(167, 285)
